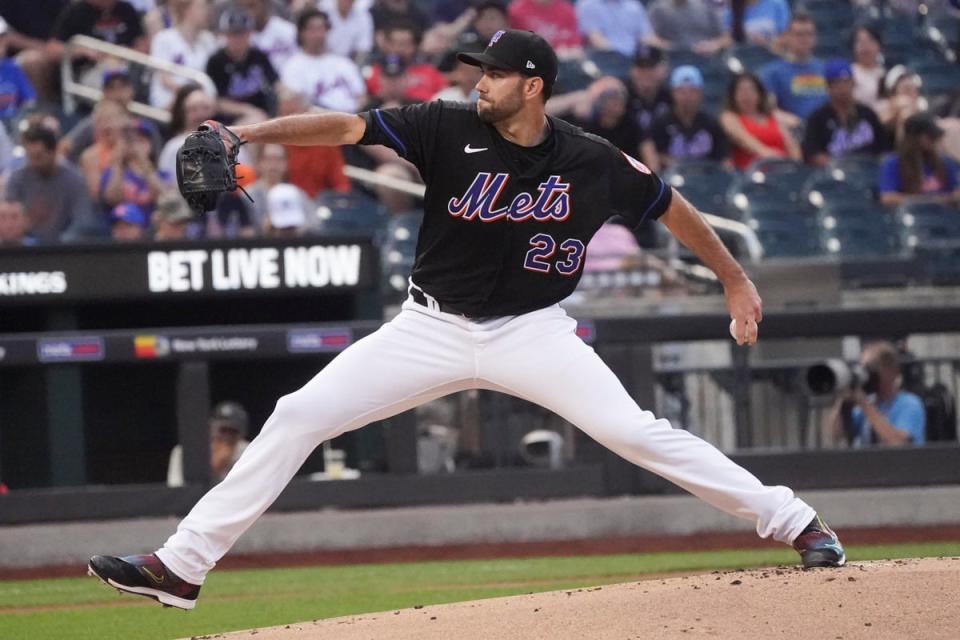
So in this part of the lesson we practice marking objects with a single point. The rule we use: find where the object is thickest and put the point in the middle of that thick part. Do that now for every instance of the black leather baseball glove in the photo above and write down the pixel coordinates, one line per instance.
(206, 165)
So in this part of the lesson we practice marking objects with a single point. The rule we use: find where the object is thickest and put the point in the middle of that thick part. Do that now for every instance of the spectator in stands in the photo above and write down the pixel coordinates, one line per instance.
(689, 25)
(188, 42)
(842, 125)
(764, 22)
(117, 87)
(686, 132)
(286, 216)
(880, 412)
(919, 168)
(244, 78)
(868, 69)
(448, 11)
(423, 79)
(796, 81)
(620, 25)
(326, 79)
(191, 106)
(29, 27)
(648, 94)
(351, 28)
(387, 13)
(272, 34)
(128, 222)
(110, 123)
(393, 85)
(901, 99)
(228, 425)
(172, 217)
(271, 171)
(463, 79)
(16, 92)
(554, 20)
(752, 124)
(610, 119)
(612, 248)
(51, 191)
(112, 21)
(132, 176)
(14, 225)
(491, 16)
(312, 168)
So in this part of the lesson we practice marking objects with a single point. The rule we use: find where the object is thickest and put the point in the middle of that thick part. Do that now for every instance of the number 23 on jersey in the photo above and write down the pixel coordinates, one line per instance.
(542, 255)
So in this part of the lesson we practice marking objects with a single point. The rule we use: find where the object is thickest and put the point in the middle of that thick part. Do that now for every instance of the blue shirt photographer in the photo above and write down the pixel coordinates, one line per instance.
(904, 411)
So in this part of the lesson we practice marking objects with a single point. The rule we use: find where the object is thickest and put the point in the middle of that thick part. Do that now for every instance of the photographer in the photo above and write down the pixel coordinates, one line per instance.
(877, 411)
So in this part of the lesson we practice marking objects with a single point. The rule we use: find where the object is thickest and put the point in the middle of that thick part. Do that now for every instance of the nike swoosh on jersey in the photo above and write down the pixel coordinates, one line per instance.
(469, 149)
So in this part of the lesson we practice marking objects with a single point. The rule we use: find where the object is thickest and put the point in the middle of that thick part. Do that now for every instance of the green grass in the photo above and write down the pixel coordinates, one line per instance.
(79, 608)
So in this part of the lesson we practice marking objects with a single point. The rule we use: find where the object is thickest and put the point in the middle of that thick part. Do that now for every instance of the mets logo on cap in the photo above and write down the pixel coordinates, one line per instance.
(495, 37)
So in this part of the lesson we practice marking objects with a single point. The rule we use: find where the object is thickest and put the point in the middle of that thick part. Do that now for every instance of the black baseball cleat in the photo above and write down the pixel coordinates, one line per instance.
(144, 576)
(819, 546)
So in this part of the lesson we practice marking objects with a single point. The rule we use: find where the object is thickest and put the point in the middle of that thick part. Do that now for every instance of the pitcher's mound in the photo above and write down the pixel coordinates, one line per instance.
(893, 600)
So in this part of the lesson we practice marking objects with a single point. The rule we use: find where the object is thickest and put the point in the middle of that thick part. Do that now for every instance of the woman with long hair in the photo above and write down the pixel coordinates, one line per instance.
(919, 169)
(868, 71)
(191, 106)
(753, 125)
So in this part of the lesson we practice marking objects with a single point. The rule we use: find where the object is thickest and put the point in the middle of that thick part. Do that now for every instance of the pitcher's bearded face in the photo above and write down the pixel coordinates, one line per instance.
(500, 94)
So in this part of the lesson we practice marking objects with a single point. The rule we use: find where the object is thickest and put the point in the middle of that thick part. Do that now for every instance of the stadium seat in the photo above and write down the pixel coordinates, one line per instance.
(704, 183)
(830, 188)
(861, 232)
(749, 57)
(611, 63)
(939, 76)
(351, 212)
(858, 169)
(787, 239)
(572, 76)
(929, 223)
(785, 173)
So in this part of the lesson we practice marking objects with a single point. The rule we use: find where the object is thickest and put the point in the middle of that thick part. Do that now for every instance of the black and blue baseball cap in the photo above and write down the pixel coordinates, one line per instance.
(515, 50)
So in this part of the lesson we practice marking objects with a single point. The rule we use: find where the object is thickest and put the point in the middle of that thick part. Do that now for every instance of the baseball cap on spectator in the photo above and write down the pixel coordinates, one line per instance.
(483, 5)
(514, 50)
(143, 127)
(121, 73)
(285, 207)
(130, 213)
(393, 66)
(837, 69)
(173, 208)
(647, 56)
(236, 21)
(230, 415)
(686, 75)
(922, 123)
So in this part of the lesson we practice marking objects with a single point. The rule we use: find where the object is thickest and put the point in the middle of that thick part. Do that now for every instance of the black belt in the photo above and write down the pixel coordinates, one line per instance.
(420, 298)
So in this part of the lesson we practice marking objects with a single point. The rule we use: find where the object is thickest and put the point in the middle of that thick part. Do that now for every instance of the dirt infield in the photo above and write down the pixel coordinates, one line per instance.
(877, 600)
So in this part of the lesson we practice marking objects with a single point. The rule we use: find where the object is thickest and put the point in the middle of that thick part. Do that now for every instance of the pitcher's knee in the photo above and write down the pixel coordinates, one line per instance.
(297, 413)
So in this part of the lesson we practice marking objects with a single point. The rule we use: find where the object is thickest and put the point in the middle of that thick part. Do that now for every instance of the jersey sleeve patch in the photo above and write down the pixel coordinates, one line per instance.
(636, 164)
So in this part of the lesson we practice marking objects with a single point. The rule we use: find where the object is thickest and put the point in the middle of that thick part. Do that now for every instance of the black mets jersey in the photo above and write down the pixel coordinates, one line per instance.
(506, 227)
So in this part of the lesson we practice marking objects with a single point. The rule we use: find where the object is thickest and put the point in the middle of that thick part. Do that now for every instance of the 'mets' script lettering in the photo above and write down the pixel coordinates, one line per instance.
(552, 201)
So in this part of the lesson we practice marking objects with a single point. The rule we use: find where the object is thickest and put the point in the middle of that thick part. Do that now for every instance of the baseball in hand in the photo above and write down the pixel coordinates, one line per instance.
(733, 329)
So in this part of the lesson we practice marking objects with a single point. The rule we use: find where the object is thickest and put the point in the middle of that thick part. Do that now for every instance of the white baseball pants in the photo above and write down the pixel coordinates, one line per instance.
(424, 354)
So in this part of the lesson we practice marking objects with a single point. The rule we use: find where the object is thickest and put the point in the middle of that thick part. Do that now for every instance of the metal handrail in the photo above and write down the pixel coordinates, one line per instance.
(751, 241)
(72, 88)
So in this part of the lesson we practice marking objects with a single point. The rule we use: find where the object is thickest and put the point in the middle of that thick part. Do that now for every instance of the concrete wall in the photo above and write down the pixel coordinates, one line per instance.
(58, 544)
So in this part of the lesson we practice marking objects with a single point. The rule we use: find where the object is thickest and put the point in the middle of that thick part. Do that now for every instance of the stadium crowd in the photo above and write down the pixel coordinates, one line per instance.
(852, 105)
